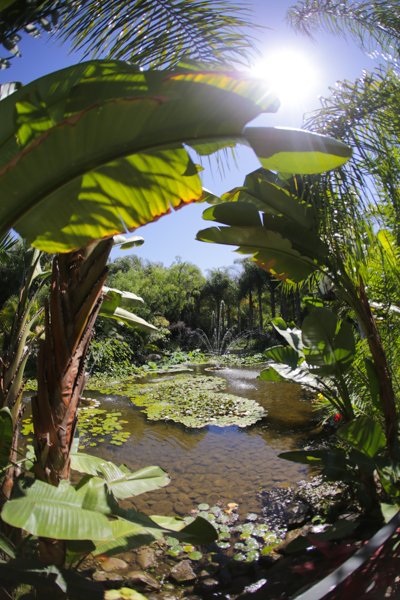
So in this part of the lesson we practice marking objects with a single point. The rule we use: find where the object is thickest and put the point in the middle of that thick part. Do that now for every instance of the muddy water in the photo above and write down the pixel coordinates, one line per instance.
(213, 463)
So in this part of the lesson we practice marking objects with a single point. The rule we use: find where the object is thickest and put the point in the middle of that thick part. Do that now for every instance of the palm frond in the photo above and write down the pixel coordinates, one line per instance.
(374, 26)
(6, 244)
(159, 32)
(149, 32)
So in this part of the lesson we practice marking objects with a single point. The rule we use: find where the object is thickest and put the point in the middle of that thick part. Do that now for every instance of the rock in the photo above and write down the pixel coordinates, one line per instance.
(146, 557)
(296, 515)
(141, 577)
(207, 584)
(112, 564)
(103, 576)
(292, 535)
(183, 572)
(267, 560)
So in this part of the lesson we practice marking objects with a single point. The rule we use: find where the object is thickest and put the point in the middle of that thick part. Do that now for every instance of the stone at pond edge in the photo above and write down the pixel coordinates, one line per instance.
(183, 572)
(292, 535)
(111, 564)
(296, 515)
(141, 577)
(103, 576)
(146, 557)
(207, 584)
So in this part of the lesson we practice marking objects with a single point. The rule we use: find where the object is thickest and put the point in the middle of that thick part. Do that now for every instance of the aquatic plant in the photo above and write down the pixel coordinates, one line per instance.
(197, 402)
(192, 401)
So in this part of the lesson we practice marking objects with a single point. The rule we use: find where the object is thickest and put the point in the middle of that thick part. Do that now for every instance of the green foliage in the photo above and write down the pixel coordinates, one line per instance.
(323, 348)
(112, 357)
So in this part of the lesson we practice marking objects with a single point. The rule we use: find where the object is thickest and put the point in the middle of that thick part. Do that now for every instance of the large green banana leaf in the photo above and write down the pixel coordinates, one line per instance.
(329, 345)
(98, 148)
(136, 529)
(112, 309)
(120, 480)
(56, 512)
(271, 250)
(284, 372)
(286, 243)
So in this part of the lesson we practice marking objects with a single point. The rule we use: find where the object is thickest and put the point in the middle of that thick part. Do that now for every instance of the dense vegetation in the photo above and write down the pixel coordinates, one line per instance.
(316, 240)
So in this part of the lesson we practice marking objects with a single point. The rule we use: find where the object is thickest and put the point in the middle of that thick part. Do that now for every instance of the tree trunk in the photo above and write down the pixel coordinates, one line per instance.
(298, 307)
(273, 308)
(383, 372)
(239, 320)
(75, 300)
(250, 311)
(260, 310)
(284, 307)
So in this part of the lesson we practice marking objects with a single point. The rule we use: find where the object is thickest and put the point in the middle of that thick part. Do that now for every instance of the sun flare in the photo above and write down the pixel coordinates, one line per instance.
(290, 73)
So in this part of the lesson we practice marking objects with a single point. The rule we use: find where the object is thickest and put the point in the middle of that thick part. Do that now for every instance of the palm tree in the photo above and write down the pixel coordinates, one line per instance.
(215, 289)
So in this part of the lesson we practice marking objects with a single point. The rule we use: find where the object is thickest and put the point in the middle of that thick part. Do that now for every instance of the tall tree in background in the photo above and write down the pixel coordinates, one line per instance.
(215, 289)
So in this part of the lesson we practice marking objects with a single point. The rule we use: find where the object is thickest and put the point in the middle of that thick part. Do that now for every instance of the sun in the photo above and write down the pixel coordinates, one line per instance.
(291, 74)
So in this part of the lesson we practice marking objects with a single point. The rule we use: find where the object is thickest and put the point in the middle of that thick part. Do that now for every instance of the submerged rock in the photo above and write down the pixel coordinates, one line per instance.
(112, 564)
(183, 572)
(141, 577)
(146, 557)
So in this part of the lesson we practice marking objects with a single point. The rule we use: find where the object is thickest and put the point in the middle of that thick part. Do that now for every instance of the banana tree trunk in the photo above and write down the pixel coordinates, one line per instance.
(75, 300)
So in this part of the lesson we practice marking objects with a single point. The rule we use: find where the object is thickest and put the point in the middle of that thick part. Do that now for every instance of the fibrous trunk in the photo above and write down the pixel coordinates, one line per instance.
(383, 371)
(75, 300)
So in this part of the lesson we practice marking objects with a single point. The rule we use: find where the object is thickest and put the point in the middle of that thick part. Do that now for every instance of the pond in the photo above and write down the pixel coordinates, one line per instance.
(212, 464)
(215, 463)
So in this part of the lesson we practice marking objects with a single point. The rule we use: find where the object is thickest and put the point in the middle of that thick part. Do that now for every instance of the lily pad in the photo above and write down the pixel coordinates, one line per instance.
(203, 506)
(171, 541)
(240, 557)
(195, 555)
(252, 556)
(223, 545)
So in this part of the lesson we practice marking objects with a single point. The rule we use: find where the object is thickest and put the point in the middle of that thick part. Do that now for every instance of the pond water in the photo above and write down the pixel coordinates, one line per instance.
(214, 463)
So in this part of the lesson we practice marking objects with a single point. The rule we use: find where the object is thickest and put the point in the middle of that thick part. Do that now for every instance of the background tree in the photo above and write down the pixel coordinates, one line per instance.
(215, 289)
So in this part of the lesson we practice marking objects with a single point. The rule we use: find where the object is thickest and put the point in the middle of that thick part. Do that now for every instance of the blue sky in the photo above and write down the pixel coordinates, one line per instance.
(332, 58)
